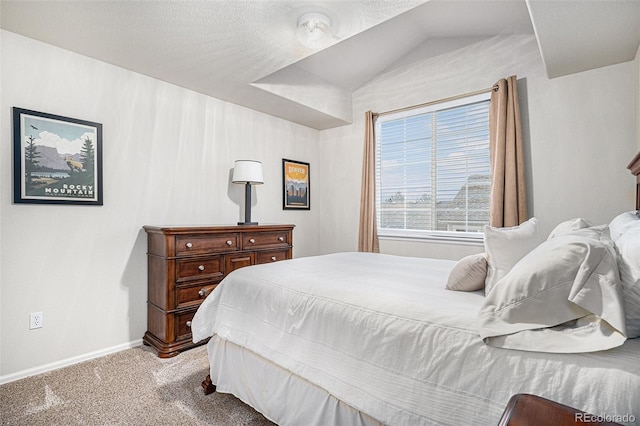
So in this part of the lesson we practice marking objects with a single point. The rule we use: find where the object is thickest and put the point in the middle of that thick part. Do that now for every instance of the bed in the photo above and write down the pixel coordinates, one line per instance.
(368, 339)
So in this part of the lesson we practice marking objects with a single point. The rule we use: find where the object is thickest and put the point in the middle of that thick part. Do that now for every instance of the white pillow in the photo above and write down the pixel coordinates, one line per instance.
(506, 246)
(628, 250)
(468, 274)
(571, 277)
(568, 226)
(621, 223)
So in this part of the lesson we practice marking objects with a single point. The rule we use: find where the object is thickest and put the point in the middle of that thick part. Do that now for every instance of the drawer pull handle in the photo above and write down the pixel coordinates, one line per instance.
(189, 324)
(252, 241)
(189, 245)
(273, 258)
(280, 239)
(201, 268)
(202, 293)
(229, 242)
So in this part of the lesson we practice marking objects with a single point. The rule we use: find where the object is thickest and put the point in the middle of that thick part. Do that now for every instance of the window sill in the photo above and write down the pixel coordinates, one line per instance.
(436, 239)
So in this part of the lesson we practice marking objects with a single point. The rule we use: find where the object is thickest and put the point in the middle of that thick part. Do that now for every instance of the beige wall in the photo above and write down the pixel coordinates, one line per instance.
(167, 157)
(578, 131)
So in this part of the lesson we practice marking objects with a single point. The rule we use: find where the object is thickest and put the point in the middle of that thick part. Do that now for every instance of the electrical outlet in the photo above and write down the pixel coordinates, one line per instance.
(36, 320)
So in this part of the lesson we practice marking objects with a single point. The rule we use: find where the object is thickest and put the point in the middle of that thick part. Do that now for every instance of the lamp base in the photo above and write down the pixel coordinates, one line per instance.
(247, 223)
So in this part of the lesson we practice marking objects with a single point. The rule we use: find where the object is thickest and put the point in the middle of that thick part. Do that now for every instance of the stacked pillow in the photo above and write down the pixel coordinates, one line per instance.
(468, 274)
(627, 221)
(563, 296)
(625, 233)
(569, 226)
(506, 246)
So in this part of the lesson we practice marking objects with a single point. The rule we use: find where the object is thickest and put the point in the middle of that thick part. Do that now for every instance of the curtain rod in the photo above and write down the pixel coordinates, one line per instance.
(452, 98)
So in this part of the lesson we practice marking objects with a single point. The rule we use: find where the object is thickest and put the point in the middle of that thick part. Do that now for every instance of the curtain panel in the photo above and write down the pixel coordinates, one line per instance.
(508, 206)
(368, 227)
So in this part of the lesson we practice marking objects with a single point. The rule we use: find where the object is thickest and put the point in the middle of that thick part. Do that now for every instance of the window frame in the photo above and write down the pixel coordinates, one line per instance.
(455, 237)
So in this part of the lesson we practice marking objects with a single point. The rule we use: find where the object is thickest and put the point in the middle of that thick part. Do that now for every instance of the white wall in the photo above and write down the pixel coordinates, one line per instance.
(578, 135)
(167, 155)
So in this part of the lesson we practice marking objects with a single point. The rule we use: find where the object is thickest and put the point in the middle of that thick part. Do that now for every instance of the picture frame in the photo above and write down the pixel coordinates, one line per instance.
(295, 185)
(56, 160)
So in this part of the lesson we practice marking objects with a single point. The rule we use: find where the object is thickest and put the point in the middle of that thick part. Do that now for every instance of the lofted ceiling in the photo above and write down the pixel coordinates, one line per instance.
(246, 51)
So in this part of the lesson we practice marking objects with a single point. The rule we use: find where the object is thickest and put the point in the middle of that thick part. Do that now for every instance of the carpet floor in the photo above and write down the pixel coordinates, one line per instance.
(131, 387)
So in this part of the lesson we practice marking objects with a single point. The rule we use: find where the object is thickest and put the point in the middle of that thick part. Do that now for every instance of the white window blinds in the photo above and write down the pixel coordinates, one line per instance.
(432, 168)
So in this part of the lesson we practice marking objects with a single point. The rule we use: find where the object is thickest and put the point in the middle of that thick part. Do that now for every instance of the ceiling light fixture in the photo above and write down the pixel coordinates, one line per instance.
(314, 30)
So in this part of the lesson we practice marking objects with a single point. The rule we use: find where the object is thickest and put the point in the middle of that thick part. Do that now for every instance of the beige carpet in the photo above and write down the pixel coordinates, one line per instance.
(131, 387)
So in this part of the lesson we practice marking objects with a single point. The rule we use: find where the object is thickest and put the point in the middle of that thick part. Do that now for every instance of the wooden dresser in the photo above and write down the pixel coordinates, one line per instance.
(185, 263)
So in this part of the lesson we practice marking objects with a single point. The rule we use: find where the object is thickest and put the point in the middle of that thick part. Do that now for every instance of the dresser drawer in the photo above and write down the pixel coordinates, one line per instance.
(265, 240)
(188, 245)
(201, 268)
(271, 256)
(193, 295)
(239, 260)
(183, 324)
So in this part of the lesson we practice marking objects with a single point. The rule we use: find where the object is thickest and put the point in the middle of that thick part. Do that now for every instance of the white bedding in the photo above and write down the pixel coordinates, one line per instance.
(381, 334)
(564, 296)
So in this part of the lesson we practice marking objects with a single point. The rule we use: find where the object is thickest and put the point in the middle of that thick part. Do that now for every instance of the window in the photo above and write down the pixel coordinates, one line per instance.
(432, 170)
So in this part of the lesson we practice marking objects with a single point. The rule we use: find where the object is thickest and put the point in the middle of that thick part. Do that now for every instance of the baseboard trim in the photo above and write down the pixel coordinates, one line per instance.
(67, 362)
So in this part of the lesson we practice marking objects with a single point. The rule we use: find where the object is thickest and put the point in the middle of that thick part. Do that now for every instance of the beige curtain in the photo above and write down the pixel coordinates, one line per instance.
(508, 191)
(368, 233)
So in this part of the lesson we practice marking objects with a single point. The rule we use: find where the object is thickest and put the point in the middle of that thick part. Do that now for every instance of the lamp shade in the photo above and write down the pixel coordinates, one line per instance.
(247, 171)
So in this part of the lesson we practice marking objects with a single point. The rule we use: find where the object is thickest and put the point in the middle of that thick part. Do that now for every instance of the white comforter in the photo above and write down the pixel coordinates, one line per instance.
(382, 334)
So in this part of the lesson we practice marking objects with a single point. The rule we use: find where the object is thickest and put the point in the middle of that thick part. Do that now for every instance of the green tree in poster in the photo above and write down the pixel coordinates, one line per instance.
(31, 162)
(87, 155)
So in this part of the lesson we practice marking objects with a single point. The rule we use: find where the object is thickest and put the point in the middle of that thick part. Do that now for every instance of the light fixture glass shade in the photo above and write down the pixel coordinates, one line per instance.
(247, 171)
(314, 30)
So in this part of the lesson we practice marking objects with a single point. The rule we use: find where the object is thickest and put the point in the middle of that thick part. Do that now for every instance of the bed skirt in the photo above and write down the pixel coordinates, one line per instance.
(276, 393)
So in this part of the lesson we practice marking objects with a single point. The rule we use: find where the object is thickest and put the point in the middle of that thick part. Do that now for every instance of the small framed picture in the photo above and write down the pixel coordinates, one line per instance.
(56, 160)
(295, 179)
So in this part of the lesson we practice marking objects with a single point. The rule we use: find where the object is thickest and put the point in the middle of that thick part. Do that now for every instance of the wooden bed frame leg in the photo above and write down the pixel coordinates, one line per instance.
(208, 386)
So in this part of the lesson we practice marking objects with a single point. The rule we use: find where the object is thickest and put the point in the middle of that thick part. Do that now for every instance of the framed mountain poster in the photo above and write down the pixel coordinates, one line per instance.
(56, 160)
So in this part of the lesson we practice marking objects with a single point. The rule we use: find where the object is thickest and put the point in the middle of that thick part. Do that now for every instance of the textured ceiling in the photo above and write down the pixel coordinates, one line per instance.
(246, 52)
(577, 36)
